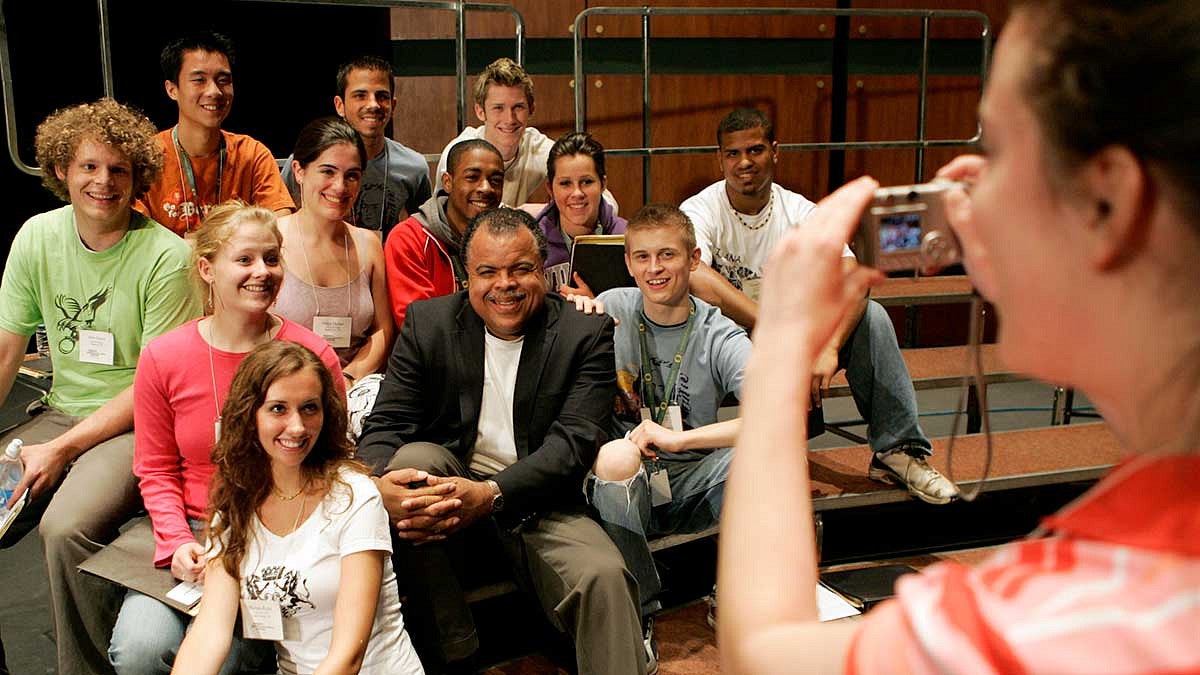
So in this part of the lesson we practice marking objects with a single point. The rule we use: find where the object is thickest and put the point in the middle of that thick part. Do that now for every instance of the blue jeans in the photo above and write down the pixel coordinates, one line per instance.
(880, 383)
(148, 633)
(697, 491)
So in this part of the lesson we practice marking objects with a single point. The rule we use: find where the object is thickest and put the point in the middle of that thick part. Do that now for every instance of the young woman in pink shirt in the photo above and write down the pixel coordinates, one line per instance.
(181, 383)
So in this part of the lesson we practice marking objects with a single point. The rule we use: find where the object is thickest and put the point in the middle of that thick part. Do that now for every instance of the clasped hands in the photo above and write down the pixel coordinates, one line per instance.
(425, 508)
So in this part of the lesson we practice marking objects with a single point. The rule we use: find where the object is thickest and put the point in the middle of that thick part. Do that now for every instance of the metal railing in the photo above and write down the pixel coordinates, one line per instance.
(460, 10)
(457, 6)
(920, 143)
(6, 86)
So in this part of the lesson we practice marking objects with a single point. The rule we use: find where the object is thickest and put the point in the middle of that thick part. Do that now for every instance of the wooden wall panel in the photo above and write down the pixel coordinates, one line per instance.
(900, 27)
(543, 19)
(685, 112)
(424, 118)
(884, 108)
(778, 26)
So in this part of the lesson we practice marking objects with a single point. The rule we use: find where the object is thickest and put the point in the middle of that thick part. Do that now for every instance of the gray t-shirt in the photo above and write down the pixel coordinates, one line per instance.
(407, 187)
(712, 364)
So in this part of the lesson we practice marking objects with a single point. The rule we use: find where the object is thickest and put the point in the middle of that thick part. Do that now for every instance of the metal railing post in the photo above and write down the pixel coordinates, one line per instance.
(577, 48)
(923, 82)
(921, 143)
(6, 85)
(646, 104)
(106, 69)
(460, 60)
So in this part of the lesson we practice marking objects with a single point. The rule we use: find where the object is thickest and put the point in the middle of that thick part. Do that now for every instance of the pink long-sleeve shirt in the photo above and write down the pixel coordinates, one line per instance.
(173, 415)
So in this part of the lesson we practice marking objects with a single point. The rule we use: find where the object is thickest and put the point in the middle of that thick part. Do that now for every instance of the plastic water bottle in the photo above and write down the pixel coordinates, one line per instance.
(11, 470)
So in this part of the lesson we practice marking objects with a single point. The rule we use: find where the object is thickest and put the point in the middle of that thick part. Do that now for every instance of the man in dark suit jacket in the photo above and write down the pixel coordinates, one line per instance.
(495, 404)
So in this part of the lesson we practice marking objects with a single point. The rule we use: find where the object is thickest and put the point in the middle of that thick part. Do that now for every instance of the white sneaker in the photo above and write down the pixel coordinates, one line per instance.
(912, 471)
(651, 646)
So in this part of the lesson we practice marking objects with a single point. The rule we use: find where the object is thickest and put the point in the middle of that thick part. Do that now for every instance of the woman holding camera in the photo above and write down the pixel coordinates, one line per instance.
(1081, 222)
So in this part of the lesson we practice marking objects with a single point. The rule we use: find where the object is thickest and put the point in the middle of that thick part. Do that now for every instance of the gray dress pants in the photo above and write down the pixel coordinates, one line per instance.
(564, 558)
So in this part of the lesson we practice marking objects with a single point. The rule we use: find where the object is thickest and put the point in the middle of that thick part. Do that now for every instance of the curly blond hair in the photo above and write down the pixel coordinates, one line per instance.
(106, 121)
(506, 73)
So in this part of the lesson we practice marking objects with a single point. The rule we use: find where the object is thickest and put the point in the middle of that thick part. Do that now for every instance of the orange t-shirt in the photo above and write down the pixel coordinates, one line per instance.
(250, 174)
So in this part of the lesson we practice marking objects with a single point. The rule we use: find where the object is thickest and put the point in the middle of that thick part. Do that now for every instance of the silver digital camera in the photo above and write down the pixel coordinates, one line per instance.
(905, 228)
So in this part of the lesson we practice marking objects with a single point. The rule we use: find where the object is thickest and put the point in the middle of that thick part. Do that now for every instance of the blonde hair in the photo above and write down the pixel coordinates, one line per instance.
(219, 227)
(506, 73)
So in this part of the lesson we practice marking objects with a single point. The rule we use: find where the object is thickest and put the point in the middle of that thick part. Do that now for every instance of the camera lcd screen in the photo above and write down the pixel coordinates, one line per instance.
(899, 231)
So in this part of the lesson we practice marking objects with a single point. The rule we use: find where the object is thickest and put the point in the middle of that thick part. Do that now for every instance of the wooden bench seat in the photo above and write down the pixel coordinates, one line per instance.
(1021, 458)
(941, 367)
(907, 291)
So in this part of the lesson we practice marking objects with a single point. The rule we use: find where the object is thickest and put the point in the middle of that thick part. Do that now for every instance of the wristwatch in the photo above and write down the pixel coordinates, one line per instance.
(497, 496)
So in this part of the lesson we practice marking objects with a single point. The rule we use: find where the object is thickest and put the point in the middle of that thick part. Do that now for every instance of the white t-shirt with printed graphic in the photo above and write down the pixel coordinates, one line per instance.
(738, 245)
(302, 571)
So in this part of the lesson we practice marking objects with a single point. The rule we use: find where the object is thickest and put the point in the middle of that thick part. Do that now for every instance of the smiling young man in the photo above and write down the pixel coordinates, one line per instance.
(739, 220)
(203, 165)
(396, 179)
(104, 280)
(495, 403)
(677, 357)
(423, 254)
(504, 104)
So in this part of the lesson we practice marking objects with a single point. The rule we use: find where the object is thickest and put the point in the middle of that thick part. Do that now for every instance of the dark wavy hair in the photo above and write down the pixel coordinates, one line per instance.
(243, 474)
(1119, 72)
(576, 143)
(323, 133)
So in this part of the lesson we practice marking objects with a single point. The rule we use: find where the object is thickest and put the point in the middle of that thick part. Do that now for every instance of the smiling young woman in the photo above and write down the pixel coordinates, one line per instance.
(299, 535)
(336, 280)
(180, 386)
(576, 181)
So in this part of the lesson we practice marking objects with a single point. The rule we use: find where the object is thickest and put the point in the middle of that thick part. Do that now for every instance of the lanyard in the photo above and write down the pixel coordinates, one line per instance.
(312, 281)
(187, 174)
(360, 208)
(659, 410)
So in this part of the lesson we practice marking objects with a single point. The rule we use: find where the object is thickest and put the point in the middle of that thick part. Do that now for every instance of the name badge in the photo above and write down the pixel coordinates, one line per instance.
(186, 593)
(262, 620)
(335, 330)
(674, 419)
(660, 488)
(96, 346)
